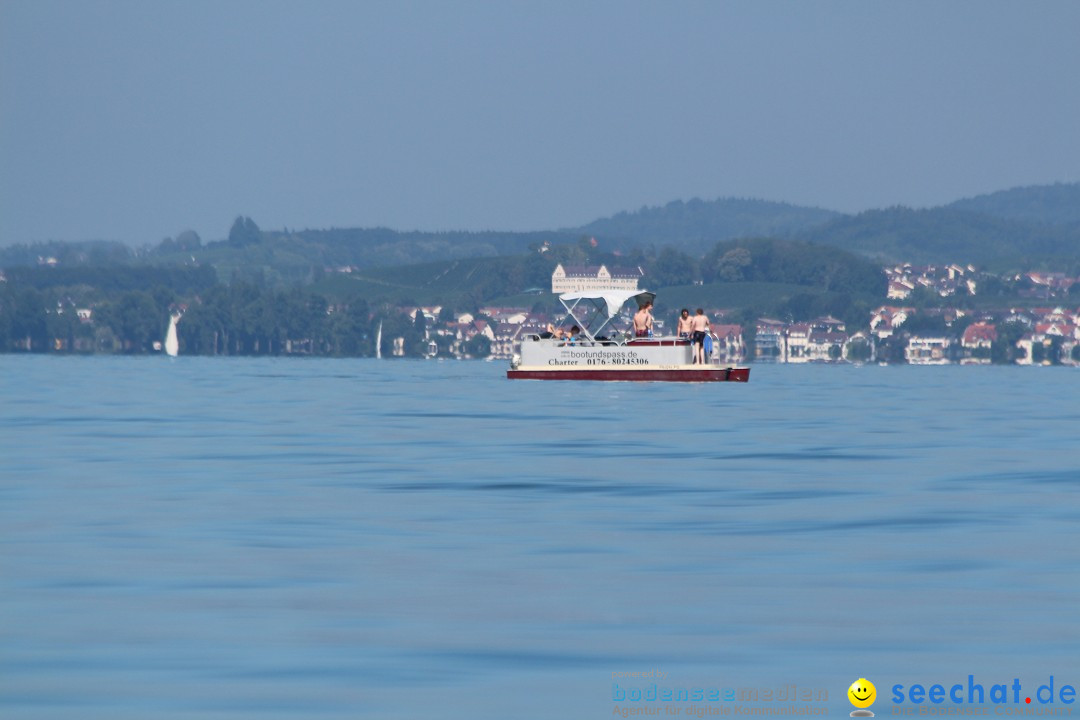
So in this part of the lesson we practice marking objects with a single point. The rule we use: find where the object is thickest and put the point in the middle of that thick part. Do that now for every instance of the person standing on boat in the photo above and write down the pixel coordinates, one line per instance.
(700, 324)
(686, 325)
(643, 321)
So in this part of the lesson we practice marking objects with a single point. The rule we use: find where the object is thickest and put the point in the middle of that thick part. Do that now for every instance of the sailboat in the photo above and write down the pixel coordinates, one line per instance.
(378, 342)
(172, 343)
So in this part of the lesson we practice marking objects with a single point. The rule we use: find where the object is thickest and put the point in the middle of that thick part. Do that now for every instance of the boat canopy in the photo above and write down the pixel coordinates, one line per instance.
(597, 308)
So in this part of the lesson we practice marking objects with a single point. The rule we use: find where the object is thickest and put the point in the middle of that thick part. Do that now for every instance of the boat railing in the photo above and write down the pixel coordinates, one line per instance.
(581, 340)
(672, 340)
(605, 341)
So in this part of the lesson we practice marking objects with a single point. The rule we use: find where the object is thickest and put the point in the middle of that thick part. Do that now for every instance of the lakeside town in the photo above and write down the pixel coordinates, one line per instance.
(895, 333)
(1045, 330)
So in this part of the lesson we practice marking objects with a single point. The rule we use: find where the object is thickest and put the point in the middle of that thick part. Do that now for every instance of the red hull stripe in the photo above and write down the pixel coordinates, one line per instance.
(712, 375)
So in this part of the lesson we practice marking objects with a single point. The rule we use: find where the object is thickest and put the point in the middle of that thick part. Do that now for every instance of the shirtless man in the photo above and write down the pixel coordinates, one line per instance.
(700, 324)
(686, 325)
(643, 321)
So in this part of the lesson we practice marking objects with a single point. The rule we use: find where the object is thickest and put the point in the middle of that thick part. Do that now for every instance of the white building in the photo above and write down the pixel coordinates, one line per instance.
(578, 278)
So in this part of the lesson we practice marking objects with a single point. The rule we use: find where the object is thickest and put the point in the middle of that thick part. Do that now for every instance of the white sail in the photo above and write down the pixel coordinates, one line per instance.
(378, 342)
(172, 343)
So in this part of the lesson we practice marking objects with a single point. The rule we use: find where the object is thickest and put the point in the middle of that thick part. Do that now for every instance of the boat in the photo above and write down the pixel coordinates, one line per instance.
(600, 351)
(172, 342)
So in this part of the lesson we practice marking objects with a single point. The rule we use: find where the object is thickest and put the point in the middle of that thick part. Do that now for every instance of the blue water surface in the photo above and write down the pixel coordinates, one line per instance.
(303, 538)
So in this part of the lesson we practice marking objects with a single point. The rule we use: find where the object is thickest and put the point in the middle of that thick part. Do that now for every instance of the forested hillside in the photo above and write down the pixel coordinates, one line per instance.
(944, 235)
(1057, 204)
(695, 226)
(380, 247)
(793, 262)
(288, 256)
(85, 252)
(291, 255)
(1010, 227)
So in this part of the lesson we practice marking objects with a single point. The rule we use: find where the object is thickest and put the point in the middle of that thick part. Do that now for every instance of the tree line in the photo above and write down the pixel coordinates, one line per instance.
(131, 304)
(236, 319)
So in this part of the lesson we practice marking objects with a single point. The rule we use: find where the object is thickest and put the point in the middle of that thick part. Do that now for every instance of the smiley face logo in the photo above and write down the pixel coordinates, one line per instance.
(862, 694)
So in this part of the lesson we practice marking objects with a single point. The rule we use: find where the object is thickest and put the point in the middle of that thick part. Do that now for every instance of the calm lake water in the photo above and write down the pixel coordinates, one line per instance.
(283, 538)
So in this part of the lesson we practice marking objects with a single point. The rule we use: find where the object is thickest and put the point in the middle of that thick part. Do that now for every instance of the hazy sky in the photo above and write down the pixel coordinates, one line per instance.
(135, 120)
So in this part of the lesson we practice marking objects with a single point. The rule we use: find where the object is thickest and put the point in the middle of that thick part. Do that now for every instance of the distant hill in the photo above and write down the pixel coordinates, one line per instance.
(946, 234)
(291, 252)
(114, 278)
(1022, 224)
(384, 247)
(1057, 204)
(1004, 229)
(697, 225)
(455, 282)
(290, 255)
(81, 252)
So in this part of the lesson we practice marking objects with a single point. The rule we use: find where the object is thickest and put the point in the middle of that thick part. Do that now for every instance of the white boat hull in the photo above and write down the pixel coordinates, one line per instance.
(662, 359)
